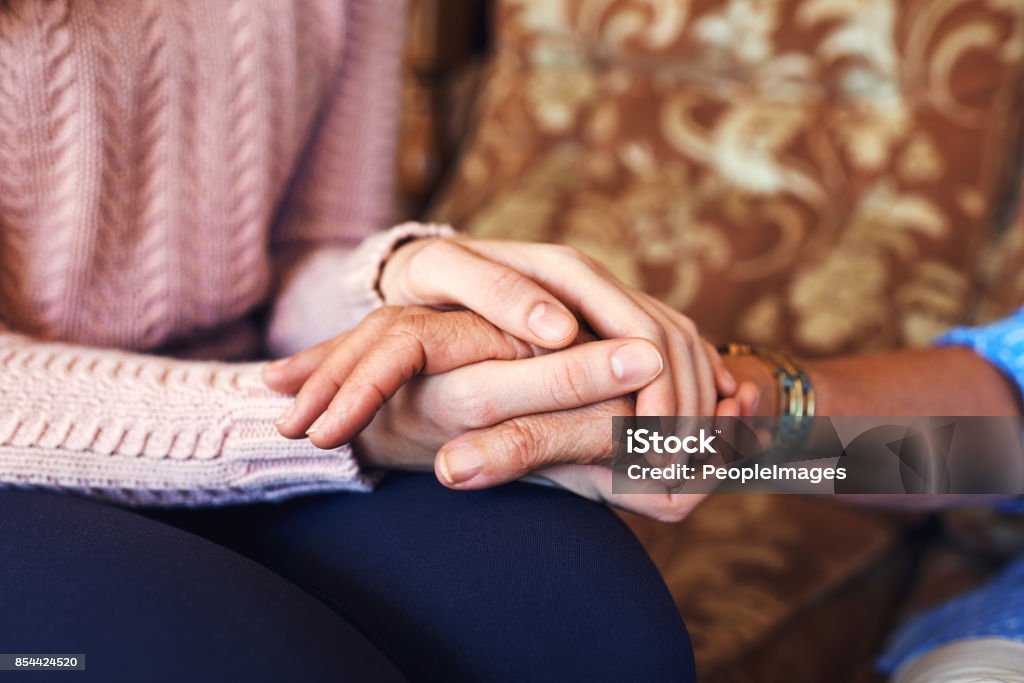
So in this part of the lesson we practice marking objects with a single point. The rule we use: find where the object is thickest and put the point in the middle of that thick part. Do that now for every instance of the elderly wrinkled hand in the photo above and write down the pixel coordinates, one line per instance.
(342, 384)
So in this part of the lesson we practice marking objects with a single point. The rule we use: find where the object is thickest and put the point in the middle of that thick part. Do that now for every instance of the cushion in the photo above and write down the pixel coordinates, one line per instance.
(813, 175)
(1003, 267)
(767, 583)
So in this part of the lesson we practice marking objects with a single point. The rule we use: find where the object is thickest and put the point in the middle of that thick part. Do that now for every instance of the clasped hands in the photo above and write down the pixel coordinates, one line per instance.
(479, 368)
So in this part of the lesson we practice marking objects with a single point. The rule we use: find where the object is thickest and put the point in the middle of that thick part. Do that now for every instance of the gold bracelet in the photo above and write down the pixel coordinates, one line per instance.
(796, 393)
(796, 401)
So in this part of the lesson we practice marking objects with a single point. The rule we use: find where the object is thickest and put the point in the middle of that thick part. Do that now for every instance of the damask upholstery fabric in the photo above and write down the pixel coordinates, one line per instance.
(822, 176)
(1003, 264)
(819, 176)
(769, 584)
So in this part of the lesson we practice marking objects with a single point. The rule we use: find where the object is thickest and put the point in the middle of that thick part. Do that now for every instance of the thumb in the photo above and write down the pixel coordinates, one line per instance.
(506, 452)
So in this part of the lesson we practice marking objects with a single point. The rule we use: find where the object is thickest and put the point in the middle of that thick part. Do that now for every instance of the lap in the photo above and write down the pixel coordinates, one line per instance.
(143, 600)
(516, 583)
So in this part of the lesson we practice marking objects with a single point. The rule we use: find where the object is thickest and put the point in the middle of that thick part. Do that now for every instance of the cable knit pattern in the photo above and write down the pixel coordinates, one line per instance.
(143, 431)
(167, 171)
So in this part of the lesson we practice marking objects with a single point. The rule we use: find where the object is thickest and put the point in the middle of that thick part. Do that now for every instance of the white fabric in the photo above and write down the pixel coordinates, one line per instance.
(981, 660)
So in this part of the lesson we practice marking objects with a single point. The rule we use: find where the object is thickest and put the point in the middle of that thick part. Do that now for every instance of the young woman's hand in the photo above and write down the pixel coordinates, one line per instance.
(535, 291)
(571, 448)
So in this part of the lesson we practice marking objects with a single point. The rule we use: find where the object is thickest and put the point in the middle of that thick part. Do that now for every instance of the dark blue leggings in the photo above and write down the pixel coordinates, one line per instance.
(413, 581)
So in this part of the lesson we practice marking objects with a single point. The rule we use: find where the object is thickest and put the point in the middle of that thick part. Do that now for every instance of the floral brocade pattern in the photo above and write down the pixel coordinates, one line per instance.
(822, 176)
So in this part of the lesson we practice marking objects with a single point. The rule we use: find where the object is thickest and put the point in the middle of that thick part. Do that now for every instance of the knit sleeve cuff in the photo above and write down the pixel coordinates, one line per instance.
(274, 466)
(145, 430)
(371, 256)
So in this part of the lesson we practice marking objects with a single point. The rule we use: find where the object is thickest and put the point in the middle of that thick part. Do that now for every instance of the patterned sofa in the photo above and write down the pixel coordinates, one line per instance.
(821, 176)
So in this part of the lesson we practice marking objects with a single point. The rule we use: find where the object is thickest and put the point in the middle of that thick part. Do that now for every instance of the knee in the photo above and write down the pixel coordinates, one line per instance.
(610, 598)
(502, 584)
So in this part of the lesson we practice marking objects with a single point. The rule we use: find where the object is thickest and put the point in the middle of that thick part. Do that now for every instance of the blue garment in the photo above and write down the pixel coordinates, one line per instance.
(996, 609)
(517, 583)
(1001, 343)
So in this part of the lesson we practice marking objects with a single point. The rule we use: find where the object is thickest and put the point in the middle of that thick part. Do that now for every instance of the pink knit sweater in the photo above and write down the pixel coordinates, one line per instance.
(196, 179)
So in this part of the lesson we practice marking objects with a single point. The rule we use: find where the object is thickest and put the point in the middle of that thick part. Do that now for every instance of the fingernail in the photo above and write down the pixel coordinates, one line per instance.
(315, 426)
(460, 463)
(286, 415)
(636, 363)
(550, 324)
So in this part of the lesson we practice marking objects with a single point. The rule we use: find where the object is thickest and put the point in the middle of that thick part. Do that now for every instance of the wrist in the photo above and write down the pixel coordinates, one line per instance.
(391, 270)
(760, 373)
(394, 254)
